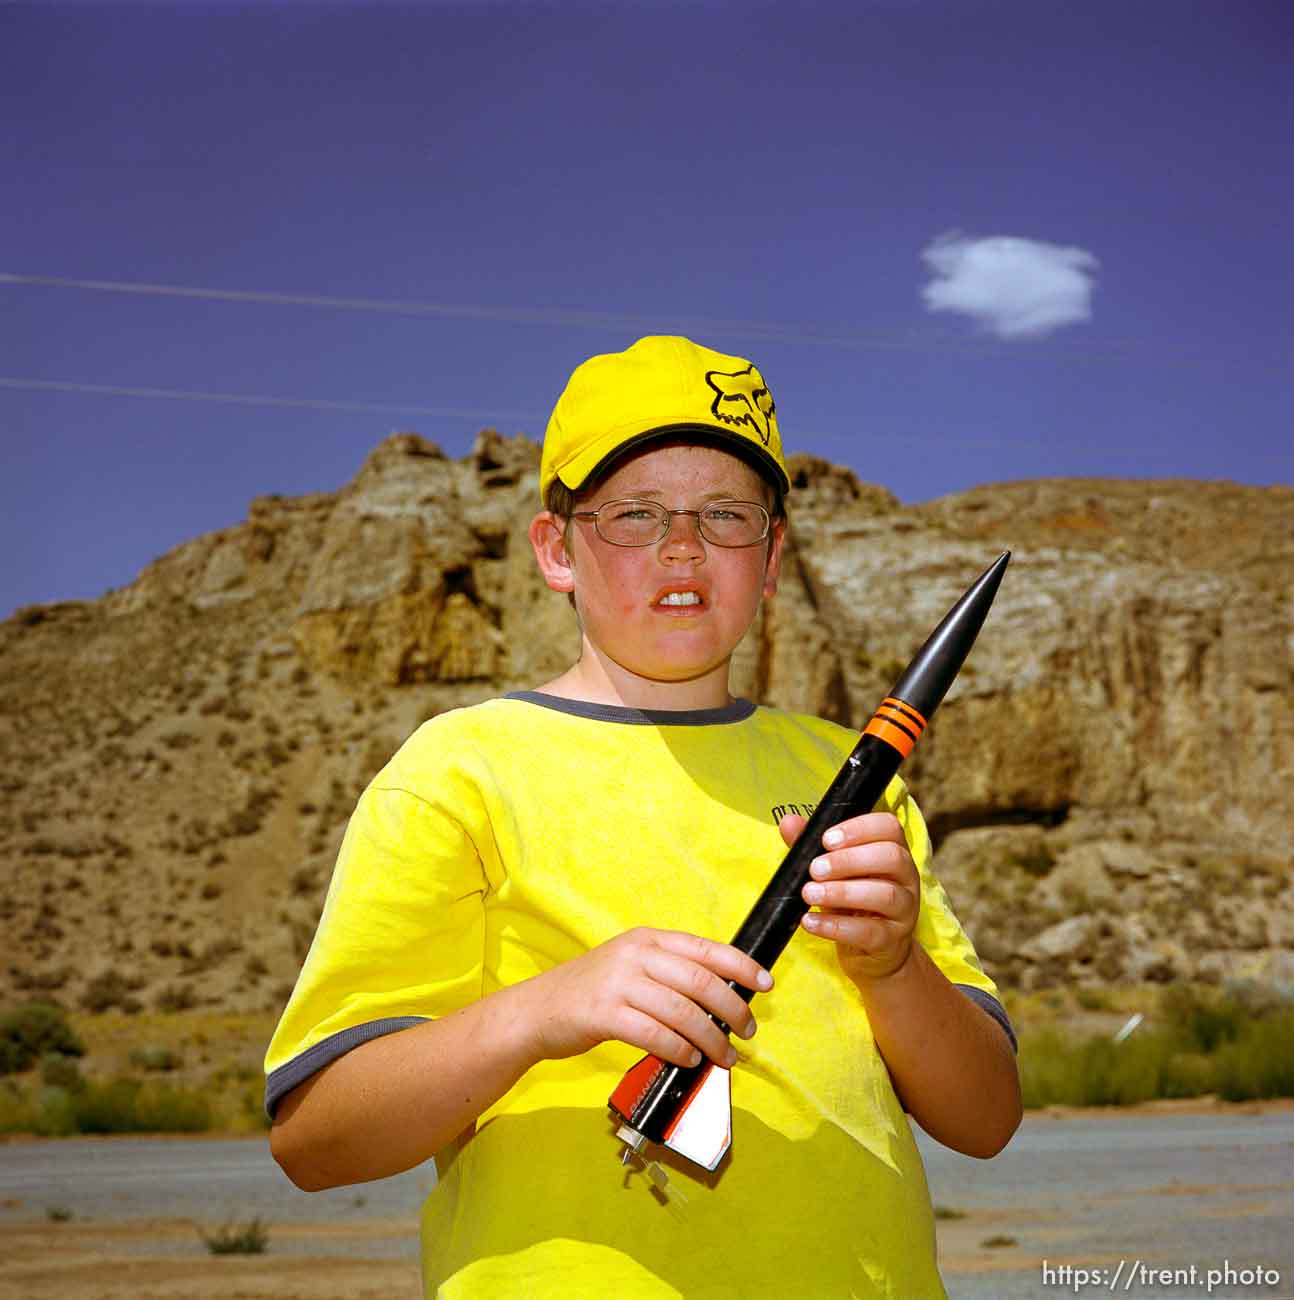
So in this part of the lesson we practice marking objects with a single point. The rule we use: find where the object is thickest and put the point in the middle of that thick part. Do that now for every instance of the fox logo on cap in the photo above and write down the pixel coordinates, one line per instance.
(742, 398)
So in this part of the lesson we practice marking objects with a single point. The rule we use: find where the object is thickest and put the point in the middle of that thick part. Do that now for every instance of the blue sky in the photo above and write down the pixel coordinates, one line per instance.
(423, 217)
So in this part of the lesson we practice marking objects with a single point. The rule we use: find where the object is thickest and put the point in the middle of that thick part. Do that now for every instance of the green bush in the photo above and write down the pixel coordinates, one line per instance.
(250, 1239)
(32, 1030)
(121, 1106)
(1205, 1043)
(160, 1059)
(61, 1071)
(112, 989)
(1259, 1064)
(53, 1112)
(109, 1107)
(128, 1106)
(13, 1058)
(1205, 1022)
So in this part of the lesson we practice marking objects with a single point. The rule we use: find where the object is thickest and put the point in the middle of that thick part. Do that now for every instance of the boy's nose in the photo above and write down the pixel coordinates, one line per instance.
(684, 533)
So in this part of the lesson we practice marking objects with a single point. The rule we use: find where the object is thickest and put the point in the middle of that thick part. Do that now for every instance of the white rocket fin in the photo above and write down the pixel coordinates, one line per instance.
(702, 1132)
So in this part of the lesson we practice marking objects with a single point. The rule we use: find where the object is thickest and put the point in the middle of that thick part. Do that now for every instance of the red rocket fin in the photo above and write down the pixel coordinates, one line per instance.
(630, 1089)
(702, 1130)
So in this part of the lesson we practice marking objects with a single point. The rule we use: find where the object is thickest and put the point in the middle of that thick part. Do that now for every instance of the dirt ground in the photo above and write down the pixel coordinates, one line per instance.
(158, 1258)
(163, 1259)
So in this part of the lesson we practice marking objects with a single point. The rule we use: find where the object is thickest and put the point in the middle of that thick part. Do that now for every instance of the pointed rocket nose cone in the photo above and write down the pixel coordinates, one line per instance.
(927, 678)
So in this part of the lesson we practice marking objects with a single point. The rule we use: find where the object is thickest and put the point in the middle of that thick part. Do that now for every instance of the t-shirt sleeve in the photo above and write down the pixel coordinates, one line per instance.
(401, 936)
(938, 930)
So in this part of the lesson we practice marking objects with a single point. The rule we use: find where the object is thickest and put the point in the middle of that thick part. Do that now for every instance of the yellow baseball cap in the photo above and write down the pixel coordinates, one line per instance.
(662, 386)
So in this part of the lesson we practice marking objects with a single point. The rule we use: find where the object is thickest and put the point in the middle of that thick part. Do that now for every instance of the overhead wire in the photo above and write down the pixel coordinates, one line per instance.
(254, 399)
(791, 332)
(795, 333)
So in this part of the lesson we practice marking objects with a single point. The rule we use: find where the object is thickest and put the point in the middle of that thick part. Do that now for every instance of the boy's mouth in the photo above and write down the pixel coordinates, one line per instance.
(681, 597)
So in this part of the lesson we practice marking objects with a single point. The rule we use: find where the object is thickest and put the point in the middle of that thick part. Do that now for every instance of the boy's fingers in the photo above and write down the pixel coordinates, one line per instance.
(723, 959)
(685, 1018)
(790, 827)
(879, 897)
(703, 991)
(644, 1031)
(863, 830)
(869, 934)
(875, 858)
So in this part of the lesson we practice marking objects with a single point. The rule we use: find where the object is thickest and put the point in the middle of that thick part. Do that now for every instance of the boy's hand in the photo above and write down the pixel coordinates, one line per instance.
(651, 989)
(868, 893)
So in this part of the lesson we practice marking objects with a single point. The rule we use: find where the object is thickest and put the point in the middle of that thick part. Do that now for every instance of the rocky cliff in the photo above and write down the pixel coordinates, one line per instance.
(1108, 782)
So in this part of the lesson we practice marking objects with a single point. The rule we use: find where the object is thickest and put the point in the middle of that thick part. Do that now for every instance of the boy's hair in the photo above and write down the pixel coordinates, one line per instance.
(561, 500)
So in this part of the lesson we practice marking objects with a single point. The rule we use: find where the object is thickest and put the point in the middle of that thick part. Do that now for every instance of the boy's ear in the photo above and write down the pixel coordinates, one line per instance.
(773, 568)
(547, 540)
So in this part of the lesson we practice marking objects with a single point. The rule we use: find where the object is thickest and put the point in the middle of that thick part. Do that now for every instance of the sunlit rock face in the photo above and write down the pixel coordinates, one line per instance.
(1107, 782)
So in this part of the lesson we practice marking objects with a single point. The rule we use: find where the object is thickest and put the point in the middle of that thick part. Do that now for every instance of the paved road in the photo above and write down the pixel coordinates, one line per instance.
(1164, 1191)
(132, 1178)
(1167, 1191)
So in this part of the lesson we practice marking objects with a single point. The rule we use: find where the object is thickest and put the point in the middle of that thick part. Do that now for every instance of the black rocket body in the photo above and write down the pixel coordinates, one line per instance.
(686, 1108)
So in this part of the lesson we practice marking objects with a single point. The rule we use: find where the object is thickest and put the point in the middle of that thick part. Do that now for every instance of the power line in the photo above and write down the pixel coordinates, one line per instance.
(258, 399)
(793, 332)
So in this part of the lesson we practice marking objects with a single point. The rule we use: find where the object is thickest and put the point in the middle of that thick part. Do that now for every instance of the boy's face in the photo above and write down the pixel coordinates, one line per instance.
(619, 589)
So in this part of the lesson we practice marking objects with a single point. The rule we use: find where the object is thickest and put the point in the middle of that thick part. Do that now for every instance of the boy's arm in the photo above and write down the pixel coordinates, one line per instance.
(396, 1101)
(951, 1063)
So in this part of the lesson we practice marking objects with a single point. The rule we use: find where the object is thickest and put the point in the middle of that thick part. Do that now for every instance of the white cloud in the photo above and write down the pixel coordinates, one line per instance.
(1017, 288)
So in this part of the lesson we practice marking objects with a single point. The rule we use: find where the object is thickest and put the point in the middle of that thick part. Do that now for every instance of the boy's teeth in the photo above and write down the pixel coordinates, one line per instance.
(680, 598)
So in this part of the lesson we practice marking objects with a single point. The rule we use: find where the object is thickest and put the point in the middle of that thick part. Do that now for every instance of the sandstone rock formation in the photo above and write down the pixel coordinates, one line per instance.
(1108, 783)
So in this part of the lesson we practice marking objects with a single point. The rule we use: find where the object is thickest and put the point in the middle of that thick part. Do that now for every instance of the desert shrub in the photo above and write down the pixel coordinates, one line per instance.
(61, 1071)
(176, 997)
(1094, 1072)
(156, 1059)
(1187, 1074)
(111, 989)
(128, 1106)
(213, 955)
(305, 880)
(30, 1031)
(1206, 1043)
(1093, 999)
(1122, 1074)
(172, 1110)
(1259, 1062)
(15, 1109)
(1205, 1021)
(50, 1113)
(250, 1238)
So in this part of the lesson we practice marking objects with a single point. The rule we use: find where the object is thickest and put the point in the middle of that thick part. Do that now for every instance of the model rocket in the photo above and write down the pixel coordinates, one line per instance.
(688, 1109)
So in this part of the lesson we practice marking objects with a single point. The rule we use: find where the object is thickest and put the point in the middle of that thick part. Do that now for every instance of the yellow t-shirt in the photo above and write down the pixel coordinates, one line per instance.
(508, 837)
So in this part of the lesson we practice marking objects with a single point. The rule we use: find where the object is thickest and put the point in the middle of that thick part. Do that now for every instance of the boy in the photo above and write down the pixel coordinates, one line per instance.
(529, 894)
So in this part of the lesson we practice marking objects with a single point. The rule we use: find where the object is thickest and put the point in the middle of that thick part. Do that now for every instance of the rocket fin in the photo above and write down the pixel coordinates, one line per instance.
(702, 1130)
(631, 1089)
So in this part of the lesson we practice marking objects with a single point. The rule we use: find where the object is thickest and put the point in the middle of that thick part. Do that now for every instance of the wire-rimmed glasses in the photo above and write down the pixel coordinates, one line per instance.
(635, 522)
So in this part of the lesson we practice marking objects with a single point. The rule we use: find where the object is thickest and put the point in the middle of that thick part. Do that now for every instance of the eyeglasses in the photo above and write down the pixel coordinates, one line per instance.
(635, 522)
